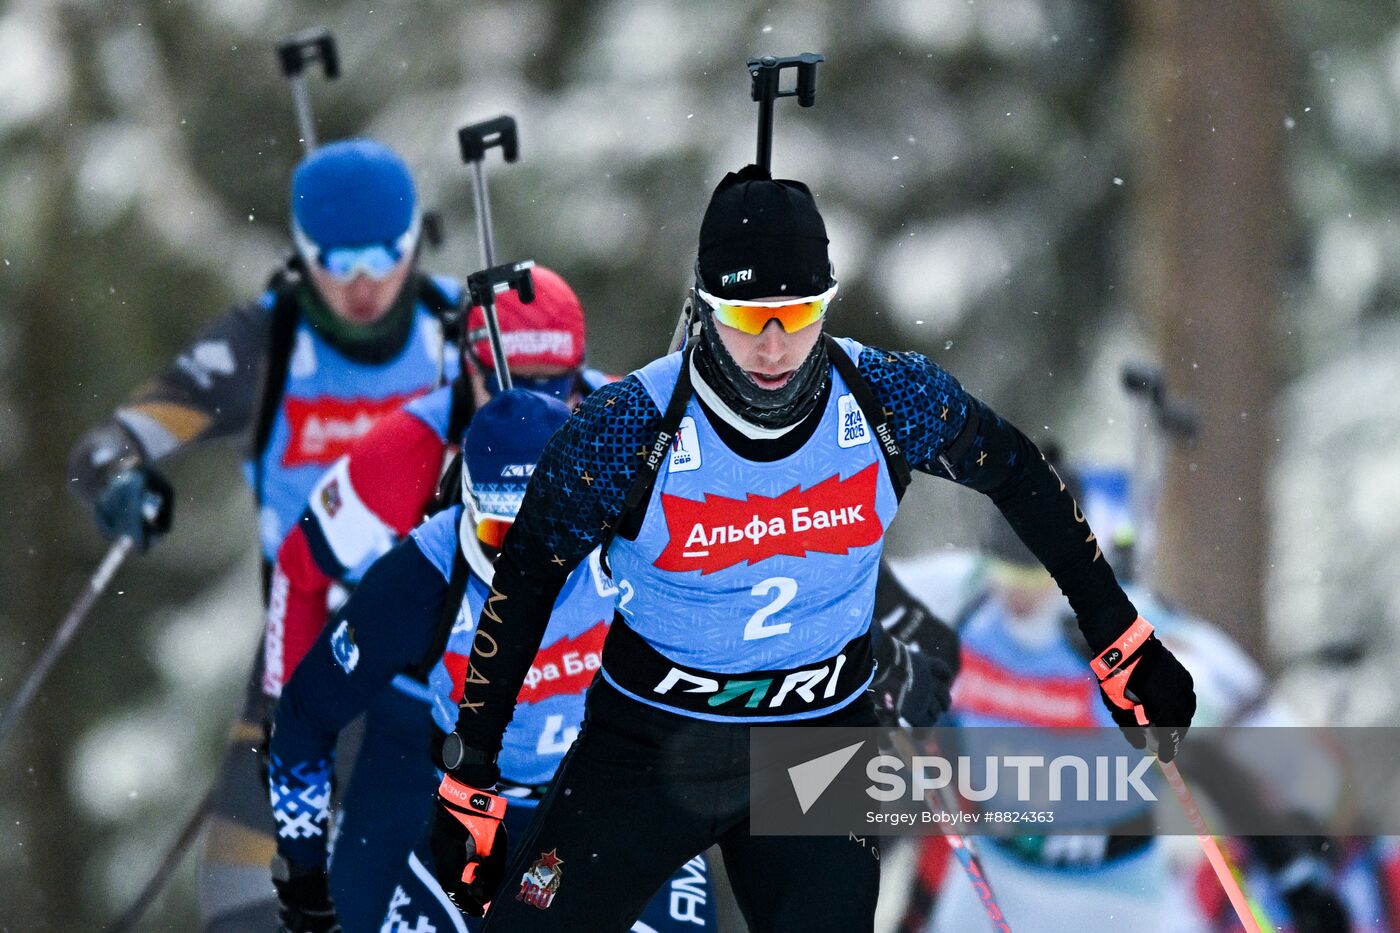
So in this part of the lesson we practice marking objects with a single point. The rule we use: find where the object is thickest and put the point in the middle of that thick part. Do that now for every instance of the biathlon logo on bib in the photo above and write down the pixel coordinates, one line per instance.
(717, 532)
(850, 426)
(685, 447)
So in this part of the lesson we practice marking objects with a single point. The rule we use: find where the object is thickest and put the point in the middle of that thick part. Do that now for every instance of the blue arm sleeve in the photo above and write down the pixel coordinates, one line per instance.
(386, 627)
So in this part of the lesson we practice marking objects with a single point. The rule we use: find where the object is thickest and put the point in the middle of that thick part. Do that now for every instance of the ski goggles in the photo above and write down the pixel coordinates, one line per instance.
(492, 531)
(343, 263)
(491, 509)
(751, 317)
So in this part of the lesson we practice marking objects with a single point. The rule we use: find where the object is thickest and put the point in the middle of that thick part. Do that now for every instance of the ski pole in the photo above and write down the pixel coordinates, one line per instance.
(116, 554)
(142, 902)
(1209, 844)
(297, 51)
(972, 865)
(961, 846)
(475, 140)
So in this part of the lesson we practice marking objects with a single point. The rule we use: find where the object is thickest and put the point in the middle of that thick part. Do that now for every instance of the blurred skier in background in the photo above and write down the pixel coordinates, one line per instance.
(1023, 665)
(387, 482)
(346, 333)
(371, 498)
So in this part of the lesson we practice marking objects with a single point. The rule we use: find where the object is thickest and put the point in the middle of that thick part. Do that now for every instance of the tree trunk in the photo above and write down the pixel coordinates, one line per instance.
(1211, 222)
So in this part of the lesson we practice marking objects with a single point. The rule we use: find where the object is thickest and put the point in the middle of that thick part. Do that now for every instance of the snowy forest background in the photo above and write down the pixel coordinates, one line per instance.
(1032, 191)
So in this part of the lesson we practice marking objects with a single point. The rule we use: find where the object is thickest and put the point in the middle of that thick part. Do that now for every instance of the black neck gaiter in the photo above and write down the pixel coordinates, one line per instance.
(775, 408)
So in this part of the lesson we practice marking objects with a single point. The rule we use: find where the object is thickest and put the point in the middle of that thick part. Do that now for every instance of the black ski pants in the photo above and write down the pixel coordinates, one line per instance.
(644, 790)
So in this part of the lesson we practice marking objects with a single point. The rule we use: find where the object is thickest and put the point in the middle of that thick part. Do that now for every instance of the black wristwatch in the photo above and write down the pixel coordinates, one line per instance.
(456, 755)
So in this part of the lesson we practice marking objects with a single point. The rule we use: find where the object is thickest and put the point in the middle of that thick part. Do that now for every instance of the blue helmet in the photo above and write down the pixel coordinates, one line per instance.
(353, 193)
(503, 442)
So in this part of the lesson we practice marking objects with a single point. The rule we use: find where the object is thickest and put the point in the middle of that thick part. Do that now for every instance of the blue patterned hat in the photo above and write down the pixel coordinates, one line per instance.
(503, 442)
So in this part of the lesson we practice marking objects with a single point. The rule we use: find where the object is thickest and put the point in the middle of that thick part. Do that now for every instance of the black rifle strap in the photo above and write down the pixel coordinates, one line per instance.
(634, 507)
(877, 417)
(459, 415)
(463, 407)
(286, 315)
(449, 488)
(451, 607)
(432, 297)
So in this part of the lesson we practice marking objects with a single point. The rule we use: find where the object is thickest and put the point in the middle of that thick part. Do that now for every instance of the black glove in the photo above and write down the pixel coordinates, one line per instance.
(303, 898)
(909, 685)
(469, 844)
(1138, 672)
(902, 615)
(136, 503)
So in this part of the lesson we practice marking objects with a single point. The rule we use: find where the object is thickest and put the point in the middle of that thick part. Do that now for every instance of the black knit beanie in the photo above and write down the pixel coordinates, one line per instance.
(761, 238)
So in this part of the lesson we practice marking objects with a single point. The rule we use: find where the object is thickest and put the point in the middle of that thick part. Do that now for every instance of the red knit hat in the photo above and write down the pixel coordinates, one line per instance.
(547, 332)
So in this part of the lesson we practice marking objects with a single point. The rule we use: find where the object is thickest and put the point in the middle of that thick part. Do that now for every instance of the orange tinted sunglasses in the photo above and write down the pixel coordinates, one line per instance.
(751, 317)
(492, 531)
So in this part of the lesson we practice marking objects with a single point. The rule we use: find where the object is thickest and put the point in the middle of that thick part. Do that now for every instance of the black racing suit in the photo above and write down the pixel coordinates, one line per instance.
(644, 788)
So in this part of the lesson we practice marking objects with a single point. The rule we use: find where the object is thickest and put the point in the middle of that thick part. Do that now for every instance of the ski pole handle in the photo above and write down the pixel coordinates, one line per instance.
(295, 53)
(475, 140)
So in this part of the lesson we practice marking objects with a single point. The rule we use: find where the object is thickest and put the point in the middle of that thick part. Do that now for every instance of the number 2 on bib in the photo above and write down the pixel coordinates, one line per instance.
(756, 627)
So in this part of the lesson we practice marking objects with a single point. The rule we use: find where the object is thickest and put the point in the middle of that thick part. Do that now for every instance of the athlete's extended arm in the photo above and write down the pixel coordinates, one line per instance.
(386, 626)
(574, 499)
(208, 391)
(945, 431)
